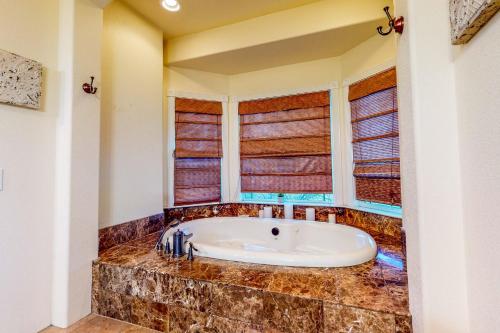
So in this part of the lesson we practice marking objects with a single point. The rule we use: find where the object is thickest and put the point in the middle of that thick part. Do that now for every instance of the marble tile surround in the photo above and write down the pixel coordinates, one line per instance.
(375, 224)
(133, 283)
(125, 232)
(378, 226)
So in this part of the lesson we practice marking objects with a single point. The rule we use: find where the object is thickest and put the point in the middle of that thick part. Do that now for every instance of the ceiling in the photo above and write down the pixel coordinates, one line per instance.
(199, 15)
(284, 52)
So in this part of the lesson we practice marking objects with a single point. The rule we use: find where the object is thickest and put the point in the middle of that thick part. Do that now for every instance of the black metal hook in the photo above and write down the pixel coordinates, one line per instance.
(396, 24)
(89, 88)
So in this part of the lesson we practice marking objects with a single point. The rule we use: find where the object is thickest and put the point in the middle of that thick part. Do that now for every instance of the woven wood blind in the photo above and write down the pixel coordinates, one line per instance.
(198, 151)
(375, 134)
(285, 144)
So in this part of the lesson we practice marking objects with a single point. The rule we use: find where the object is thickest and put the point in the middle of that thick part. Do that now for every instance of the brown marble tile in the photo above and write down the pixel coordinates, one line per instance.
(149, 314)
(200, 269)
(115, 305)
(303, 284)
(190, 294)
(188, 321)
(96, 287)
(244, 304)
(148, 241)
(149, 285)
(344, 319)
(370, 293)
(125, 232)
(403, 324)
(289, 314)
(224, 325)
(246, 276)
(125, 256)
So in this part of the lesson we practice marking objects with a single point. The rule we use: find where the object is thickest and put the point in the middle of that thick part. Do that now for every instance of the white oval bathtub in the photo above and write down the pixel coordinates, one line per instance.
(299, 243)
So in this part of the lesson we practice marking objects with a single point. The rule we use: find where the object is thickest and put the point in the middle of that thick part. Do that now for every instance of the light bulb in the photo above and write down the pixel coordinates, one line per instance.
(171, 5)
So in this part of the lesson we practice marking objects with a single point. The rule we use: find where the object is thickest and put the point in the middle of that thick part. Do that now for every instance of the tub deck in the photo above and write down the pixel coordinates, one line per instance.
(133, 283)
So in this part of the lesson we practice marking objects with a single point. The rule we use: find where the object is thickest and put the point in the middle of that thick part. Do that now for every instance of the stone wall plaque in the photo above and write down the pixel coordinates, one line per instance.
(20, 80)
(469, 16)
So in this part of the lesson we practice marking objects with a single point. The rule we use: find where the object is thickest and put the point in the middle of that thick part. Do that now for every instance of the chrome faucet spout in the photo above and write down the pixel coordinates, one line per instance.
(159, 243)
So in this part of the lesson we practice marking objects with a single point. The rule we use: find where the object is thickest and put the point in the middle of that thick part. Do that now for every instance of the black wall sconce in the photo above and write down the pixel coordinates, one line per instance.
(89, 88)
(396, 24)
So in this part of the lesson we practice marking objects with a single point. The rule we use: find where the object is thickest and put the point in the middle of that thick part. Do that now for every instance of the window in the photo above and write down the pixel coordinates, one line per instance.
(326, 198)
(375, 140)
(285, 147)
(198, 151)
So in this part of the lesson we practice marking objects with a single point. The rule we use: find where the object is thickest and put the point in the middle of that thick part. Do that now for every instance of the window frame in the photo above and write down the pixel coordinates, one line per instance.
(350, 192)
(341, 140)
(335, 141)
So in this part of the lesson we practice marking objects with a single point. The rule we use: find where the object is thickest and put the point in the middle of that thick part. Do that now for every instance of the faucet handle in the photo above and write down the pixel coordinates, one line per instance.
(190, 256)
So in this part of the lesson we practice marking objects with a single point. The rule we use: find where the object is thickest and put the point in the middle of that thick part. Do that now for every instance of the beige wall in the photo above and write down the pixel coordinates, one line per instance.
(368, 55)
(448, 107)
(27, 155)
(48, 208)
(477, 70)
(131, 131)
(193, 81)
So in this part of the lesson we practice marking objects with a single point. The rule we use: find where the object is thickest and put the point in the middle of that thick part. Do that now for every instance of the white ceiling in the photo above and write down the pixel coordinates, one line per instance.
(199, 15)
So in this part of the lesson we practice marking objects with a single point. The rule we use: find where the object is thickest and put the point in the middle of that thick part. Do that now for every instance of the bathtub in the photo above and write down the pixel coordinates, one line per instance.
(278, 241)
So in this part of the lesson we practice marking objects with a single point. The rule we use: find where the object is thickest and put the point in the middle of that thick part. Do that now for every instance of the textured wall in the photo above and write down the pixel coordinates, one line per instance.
(478, 100)
(27, 155)
(131, 132)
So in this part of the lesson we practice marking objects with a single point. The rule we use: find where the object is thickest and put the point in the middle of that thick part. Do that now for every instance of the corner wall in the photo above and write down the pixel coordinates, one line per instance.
(477, 71)
(27, 155)
(131, 149)
(48, 208)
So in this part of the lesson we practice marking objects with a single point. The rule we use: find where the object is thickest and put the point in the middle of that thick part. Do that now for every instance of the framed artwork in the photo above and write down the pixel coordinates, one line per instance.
(469, 16)
(20, 80)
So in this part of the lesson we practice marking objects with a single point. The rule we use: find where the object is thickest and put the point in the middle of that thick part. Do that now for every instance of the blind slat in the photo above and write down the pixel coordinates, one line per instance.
(292, 102)
(373, 84)
(198, 151)
(374, 116)
(285, 144)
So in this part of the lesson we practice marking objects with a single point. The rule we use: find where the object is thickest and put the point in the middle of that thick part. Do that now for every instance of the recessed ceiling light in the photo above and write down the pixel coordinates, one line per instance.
(171, 5)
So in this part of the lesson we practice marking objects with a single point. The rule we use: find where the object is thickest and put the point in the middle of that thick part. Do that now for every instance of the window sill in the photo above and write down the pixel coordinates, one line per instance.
(375, 211)
(302, 203)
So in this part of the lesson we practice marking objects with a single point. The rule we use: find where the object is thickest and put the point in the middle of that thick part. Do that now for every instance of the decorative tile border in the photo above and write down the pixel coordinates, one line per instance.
(125, 232)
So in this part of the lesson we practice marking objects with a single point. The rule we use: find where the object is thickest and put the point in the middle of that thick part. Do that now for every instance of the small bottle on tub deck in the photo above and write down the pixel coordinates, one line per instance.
(332, 218)
(268, 212)
(289, 211)
(310, 214)
(261, 213)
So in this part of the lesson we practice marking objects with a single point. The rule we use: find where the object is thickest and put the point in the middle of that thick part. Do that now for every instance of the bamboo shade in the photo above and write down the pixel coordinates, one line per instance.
(198, 151)
(285, 144)
(375, 138)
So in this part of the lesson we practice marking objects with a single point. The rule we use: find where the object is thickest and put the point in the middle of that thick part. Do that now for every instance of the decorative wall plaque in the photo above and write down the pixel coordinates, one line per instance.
(469, 16)
(20, 80)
